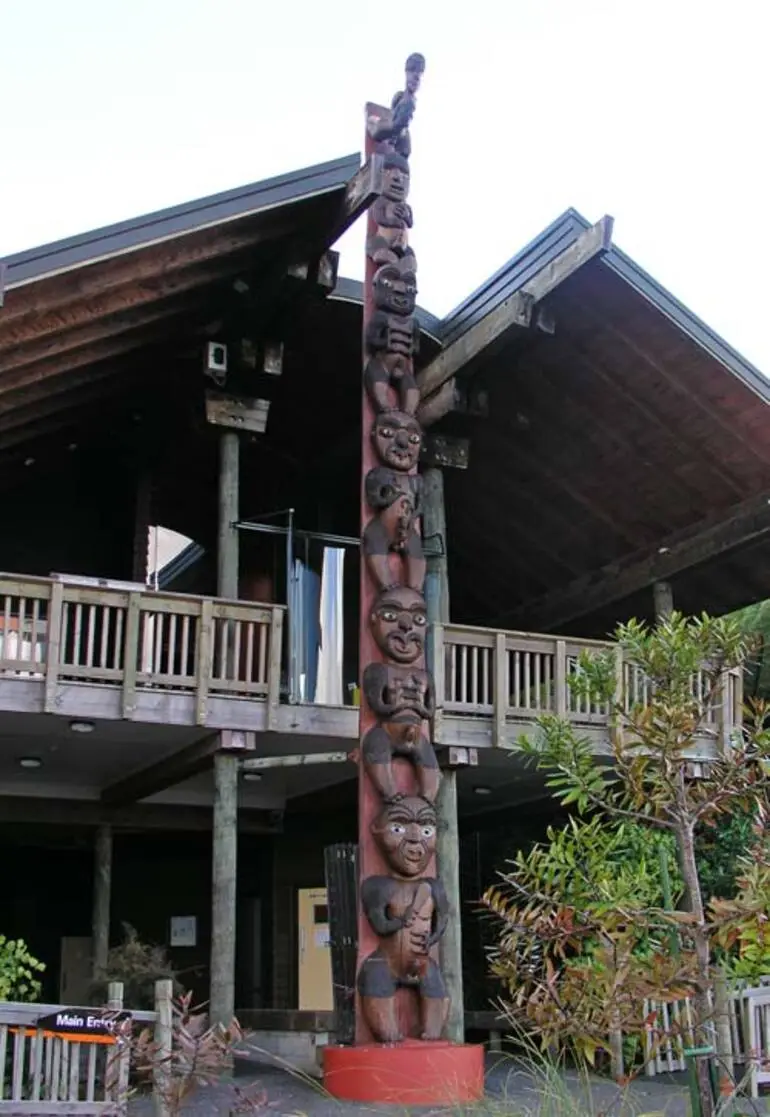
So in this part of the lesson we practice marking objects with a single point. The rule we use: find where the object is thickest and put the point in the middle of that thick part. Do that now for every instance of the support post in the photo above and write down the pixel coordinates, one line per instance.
(227, 540)
(224, 888)
(164, 1044)
(448, 841)
(224, 852)
(102, 894)
(663, 597)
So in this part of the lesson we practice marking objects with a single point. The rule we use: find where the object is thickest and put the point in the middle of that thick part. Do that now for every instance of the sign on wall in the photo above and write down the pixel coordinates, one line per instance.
(184, 930)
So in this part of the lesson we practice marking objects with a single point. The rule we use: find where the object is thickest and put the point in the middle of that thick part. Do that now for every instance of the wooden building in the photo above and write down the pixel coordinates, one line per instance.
(603, 450)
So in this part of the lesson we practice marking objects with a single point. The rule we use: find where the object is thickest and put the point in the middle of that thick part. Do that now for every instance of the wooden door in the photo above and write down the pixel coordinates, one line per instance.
(315, 969)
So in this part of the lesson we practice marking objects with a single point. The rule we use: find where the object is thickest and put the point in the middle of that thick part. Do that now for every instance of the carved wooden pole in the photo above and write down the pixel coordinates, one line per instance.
(400, 988)
(401, 994)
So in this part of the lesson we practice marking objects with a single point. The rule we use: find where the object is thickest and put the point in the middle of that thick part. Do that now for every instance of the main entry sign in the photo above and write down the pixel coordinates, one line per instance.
(84, 1025)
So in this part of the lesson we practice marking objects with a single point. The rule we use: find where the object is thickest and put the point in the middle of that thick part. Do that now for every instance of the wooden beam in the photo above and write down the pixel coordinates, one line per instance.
(296, 760)
(164, 773)
(21, 810)
(94, 354)
(748, 521)
(320, 273)
(516, 311)
(100, 922)
(154, 264)
(438, 405)
(360, 192)
(236, 413)
(663, 599)
(228, 541)
(224, 889)
(445, 451)
(84, 391)
(65, 339)
(63, 421)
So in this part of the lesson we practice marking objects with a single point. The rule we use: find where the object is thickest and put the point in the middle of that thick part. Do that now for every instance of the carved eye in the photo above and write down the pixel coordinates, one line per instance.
(387, 432)
(428, 831)
(419, 618)
(389, 615)
(397, 828)
(414, 438)
(387, 283)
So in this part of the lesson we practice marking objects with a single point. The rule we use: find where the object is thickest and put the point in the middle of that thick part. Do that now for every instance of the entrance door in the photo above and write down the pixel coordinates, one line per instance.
(75, 972)
(315, 967)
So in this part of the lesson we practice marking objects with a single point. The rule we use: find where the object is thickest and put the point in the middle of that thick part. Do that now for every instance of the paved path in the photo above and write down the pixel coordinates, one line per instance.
(511, 1090)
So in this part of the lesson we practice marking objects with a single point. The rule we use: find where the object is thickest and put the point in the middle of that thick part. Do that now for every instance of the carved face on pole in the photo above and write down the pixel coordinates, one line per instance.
(398, 622)
(397, 439)
(415, 68)
(406, 835)
(395, 288)
(395, 178)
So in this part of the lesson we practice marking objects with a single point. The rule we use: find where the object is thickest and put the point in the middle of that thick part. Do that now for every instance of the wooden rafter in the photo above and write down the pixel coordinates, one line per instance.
(164, 773)
(748, 521)
(22, 810)
(101, 351)
(153, 265)
(695, 398)
(514, 312)
(96, 387)
(100, 329)
(676, 435)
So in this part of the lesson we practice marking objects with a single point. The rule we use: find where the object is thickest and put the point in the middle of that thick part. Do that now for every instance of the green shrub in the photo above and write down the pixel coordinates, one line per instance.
(138, 965)
(17, 971)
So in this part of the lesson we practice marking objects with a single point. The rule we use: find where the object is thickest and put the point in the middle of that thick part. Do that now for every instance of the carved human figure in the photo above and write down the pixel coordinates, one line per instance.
(390, 691)
(397, 440)
(393, 337)
(400, 736)
(409, 913)
(395, 498)
(392, 129)
(391, 214)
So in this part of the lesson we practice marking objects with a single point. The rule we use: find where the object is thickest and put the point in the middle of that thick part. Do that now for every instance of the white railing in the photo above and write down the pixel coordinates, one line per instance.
(42, 1072)
(138, 640)
(670, 1032)
(514, 677)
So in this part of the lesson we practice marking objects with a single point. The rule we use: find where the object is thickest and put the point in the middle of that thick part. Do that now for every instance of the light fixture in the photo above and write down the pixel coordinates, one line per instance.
(82, 726)
(482, 790)
(30, 762)
(252, 777)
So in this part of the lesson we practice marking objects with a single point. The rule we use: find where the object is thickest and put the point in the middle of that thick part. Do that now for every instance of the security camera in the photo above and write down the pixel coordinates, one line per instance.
(216, 362)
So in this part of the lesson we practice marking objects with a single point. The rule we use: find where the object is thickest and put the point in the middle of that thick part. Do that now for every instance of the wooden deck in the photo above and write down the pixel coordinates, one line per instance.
(87, 651)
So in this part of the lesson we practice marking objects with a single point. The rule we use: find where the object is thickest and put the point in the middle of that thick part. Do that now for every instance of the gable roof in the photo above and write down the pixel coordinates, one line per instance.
(150, 229)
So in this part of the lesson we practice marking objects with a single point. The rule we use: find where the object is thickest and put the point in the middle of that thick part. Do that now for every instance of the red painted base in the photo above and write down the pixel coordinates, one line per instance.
(414, 1072)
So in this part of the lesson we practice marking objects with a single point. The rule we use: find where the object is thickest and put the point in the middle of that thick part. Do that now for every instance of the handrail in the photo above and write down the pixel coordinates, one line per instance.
(516, 677)
(139, 640)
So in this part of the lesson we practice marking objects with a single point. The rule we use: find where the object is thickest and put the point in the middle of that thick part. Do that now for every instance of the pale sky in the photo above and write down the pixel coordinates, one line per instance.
(654, 111)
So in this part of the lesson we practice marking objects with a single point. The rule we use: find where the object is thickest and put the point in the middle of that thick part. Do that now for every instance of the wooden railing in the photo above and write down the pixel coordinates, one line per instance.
(46, 1068)
(138, 639)
(514, 677)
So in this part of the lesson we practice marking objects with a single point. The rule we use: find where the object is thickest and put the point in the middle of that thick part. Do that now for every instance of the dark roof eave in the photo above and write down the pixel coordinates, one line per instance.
(542, 251)
(87, 248)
